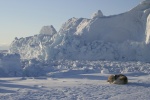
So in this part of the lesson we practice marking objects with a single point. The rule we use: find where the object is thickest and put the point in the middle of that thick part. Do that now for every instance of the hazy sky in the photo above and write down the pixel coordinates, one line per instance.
(22, 18)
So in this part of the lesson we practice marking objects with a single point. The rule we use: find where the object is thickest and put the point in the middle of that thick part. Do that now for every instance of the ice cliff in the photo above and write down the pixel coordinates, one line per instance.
(124, 36)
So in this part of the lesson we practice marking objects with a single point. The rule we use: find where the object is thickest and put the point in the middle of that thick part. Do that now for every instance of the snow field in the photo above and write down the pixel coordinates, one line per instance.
(87, 87)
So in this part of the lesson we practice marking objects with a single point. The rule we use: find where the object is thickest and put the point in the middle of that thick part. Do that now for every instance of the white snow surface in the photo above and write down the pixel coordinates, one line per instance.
(118, 37)
(75, 87)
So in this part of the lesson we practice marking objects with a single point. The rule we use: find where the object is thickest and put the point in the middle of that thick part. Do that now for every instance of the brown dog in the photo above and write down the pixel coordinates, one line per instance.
(117, 79)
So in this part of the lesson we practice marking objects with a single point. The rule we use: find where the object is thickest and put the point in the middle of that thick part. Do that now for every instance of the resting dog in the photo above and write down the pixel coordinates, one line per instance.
(117, 79)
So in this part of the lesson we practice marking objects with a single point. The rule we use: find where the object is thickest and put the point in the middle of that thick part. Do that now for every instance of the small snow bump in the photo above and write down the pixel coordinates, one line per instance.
(104, 71)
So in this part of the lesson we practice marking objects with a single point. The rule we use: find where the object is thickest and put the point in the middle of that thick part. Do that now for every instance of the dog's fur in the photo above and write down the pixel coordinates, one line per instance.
(117, 79)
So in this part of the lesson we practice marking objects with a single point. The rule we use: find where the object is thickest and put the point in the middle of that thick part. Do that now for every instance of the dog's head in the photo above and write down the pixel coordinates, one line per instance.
(111, 79)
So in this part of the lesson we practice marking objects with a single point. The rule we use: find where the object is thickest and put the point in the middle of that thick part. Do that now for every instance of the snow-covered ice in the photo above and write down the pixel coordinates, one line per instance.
(117, 37)
(75, 62)
(78, 80)
(10, 65)
(75, 87)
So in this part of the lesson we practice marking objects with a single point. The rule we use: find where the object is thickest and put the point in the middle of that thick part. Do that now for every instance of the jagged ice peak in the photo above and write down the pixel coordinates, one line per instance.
(97, 14)
(48, 30)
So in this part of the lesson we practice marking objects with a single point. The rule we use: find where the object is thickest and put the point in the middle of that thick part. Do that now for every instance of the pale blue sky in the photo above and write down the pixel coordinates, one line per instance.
(22, 18)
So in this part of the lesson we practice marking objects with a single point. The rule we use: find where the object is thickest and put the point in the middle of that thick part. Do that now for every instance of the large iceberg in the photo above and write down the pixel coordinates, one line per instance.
(125, 36)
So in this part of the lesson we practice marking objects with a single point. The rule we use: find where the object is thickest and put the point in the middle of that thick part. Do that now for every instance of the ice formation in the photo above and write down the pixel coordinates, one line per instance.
(10, 65)
(124, 36)
(97, 14)
(48, 30)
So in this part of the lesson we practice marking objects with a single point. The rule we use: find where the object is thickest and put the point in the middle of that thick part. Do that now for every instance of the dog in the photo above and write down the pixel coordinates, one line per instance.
(117, 79)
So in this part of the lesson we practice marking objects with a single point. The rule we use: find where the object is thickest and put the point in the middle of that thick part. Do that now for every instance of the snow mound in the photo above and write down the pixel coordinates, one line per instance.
(104, 71)
(10, 65)
(124, 37)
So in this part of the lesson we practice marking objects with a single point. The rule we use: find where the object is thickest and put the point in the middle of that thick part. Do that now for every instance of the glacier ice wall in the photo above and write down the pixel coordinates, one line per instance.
(118, 37)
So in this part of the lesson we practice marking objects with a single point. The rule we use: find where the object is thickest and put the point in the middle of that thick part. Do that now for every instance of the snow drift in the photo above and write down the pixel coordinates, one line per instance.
(119, 37)
(10, 65)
